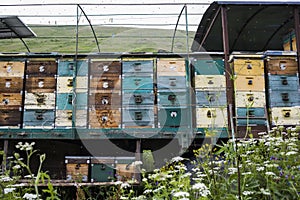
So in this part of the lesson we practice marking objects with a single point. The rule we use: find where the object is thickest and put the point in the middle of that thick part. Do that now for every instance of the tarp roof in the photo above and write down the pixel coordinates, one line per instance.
(13, 27)
(252, 26)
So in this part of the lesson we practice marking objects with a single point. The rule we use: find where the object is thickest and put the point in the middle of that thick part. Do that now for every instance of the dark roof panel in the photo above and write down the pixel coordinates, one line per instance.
(13, 27)
(254, 26)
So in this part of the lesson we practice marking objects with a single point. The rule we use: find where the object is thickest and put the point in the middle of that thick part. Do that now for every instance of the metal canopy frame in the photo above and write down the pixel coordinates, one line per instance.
(13, 27)
(252, 26)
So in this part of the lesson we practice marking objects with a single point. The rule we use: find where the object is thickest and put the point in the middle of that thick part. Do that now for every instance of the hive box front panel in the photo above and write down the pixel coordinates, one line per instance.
(63, 118)
(10, 117)
(250, 83)
(66, 68)
(12, 68)
(105, 100)
(137, 83)
(246, 67)
(175, 117)
(211, 117)
(11, 84)
(283, 83)
(105, 67)
(10, 100)
(41, 68)
(39, 101)
(285, 116)
(208, 66)
(39, 118)
(282, 65)
(64, 84)
(133, 117)
(206, 98)
(250, 99)
(284, 98)
(137, 67)
(105, 118)
(210, 82)
(137, 97)
(40, 84)
(171, 66)
(109, 83)
(171, 82)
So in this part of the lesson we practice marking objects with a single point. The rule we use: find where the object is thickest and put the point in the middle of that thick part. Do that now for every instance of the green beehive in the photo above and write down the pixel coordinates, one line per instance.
(102, 169)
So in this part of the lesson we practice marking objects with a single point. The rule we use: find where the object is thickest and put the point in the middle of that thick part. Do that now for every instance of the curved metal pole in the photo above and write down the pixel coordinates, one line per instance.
(90, 26)
(25, 44)
(176, 27)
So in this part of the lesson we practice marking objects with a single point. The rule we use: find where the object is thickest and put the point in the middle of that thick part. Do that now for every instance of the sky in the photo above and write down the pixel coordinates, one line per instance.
(146, 16)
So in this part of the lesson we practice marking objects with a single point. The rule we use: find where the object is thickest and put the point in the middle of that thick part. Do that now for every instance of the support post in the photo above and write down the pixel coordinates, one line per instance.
(138, 158)
(297, 34)
(228, 71)
(5, 152)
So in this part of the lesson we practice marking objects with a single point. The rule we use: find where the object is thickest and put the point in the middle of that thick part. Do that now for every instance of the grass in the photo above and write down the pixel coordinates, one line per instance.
(62, 39)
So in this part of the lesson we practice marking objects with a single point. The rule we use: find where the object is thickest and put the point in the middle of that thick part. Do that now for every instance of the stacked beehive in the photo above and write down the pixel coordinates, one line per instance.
(39, 106)
(81, 91)
(105, 94)
(249, 86)
(172, 93)
(283, 84)
(11, 92)
(138, 93)
(65, 94)
(210, 92)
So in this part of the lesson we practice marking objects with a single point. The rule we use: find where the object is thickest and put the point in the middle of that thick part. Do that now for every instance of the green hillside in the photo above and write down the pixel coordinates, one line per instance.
(62, 39)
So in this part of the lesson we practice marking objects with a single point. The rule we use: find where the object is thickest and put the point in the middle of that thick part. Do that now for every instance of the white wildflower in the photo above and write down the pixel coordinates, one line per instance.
(177, 159)
(260, 169)
(144, 179)
(8, 190)
(147, 191)
(6, 179)
(124, 197)
(270, 173)
(118, 183)
(232, 170)
(291, 153)
(158, 189)
(199, 186)
(181, 194)
(265, 191)
(195, 169)
(201, 189)
(16, 167)
(125, 185)
(246, 193)
(137, 163)
(187, 175)
(30, 196)
(246, 173)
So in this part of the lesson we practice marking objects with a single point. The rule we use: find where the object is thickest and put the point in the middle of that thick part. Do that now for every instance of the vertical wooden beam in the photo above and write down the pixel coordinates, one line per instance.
(138, 158)
(297, 34)
(229, 84)
(5, 152)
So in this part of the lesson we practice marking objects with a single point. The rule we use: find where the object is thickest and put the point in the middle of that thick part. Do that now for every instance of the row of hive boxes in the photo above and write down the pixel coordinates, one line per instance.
(130, 83)
(275, 63)
(138, 67)
(132, 117)
(39, 118)
(100, 169)
(37, 68)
